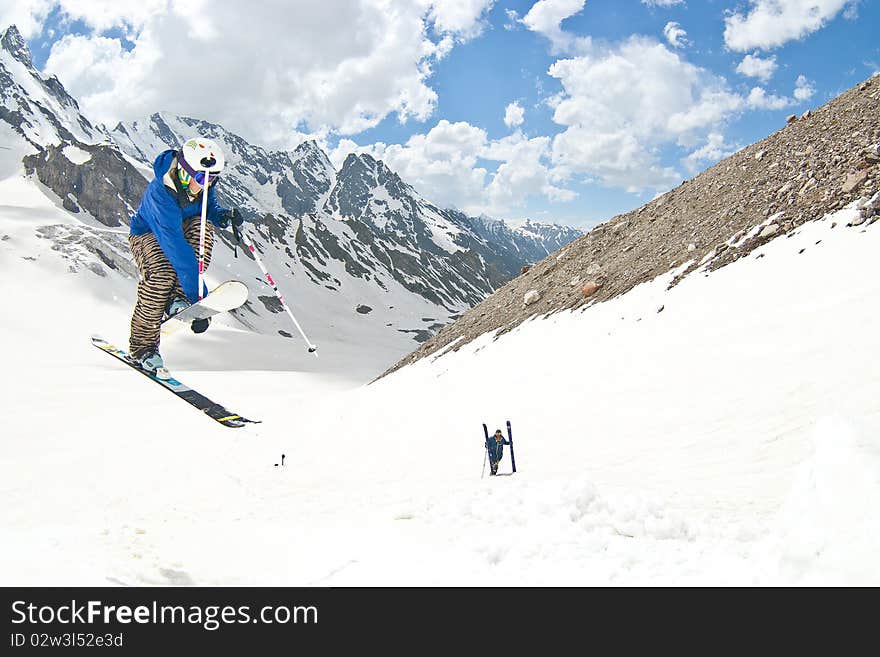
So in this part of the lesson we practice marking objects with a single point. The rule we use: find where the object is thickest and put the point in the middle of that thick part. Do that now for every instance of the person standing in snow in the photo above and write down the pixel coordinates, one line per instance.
(495, 447)
(164, 241)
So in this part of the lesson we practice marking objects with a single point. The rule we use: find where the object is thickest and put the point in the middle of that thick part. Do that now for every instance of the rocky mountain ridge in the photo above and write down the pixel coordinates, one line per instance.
(364, 216)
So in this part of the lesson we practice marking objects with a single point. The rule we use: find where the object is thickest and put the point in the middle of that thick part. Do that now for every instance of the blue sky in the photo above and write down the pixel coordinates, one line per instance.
(615, 100)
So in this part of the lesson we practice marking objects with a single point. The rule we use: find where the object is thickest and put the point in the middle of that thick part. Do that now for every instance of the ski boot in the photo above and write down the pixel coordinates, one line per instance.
(177, 305)
(152, 363)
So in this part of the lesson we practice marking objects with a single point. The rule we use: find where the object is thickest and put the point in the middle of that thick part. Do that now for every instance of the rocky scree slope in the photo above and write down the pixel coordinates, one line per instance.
(817, 163)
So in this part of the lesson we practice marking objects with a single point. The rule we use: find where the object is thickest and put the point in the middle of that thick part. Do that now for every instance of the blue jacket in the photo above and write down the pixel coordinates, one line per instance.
(496, 448)
(162, 214)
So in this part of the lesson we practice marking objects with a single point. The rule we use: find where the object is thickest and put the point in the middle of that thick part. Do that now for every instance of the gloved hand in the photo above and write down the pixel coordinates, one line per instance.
(237, 218)
(234, 216)
(200, 325)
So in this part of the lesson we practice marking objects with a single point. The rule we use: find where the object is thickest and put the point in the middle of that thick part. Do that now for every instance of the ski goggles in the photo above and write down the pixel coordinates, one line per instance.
(186, 178)
(186, 174)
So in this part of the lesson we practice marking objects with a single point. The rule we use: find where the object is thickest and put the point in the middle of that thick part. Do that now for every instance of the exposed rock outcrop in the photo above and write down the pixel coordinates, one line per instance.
(106, 184)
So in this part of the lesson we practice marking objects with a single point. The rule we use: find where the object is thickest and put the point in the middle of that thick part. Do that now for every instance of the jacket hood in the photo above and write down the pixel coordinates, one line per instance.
(163, 162)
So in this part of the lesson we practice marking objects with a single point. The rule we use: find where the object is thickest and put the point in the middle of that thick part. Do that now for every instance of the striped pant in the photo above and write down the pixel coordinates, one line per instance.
(158, 283)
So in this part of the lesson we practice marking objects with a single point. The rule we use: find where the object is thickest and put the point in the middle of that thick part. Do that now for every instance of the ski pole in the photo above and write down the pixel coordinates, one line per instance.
(202, 234)
(485, 450)
(250, 245)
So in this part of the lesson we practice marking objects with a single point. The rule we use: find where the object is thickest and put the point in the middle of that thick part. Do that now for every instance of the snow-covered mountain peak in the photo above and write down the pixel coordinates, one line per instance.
(39, 109)
(364, 185)
(12, 42)
(310, 148)
(310, 161)
(365, 164)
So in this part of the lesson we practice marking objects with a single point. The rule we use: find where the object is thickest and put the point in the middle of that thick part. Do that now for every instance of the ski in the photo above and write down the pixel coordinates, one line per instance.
(225, 297)
(510, 438)
(485, 449)
(197, 400)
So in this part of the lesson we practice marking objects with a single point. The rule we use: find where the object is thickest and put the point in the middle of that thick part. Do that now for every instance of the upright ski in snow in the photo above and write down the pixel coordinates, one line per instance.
(510, 438)
(485, 449)
(211, 409)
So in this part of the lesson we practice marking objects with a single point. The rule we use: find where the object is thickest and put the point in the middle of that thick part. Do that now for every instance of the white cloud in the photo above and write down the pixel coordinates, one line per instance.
(546, 16)
(442, 164)
(624, 103)
(714, 105)
(759, 99)
(512, 22)
(552, 101)
(713, 150)
(131, 15)
(26, 15)
(662, 3)
(447, 165)
(343, 148)
(522, 173)
(755, 66)
(460, 17)
(615, 159)
(803, 89)
(771, 23)
(337, 65)
(675, 35)
(514, 115)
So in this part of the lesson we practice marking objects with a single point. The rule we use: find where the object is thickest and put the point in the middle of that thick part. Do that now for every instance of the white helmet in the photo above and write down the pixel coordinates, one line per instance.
(200, 154)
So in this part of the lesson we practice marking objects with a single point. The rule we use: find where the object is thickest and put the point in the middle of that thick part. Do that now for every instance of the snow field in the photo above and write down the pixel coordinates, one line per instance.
(729, 439)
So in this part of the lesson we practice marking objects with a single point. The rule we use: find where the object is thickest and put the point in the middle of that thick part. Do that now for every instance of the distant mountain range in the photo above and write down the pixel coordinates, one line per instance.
(355, 238)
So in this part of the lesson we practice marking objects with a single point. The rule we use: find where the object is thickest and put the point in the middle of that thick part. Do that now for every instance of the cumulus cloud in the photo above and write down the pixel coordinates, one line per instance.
(759, 99)
(803, 89)
(675, 35)
(614, 159)
(522, 173)
(713, 150)
(514, 115)
(463, 18)
(337, 65)
(755, 66)
(624, 103)
(546, 16)
(26, 15)
(444, 162)
(771, 23)
(662, 3)
(622, 106)
(449, 165)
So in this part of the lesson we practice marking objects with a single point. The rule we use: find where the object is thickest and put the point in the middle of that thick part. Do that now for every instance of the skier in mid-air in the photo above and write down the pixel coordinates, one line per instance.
(164, 241)
(495, 447)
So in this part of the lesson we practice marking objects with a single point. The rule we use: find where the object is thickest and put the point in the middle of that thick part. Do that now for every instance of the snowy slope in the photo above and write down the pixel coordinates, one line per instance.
(729, 439)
